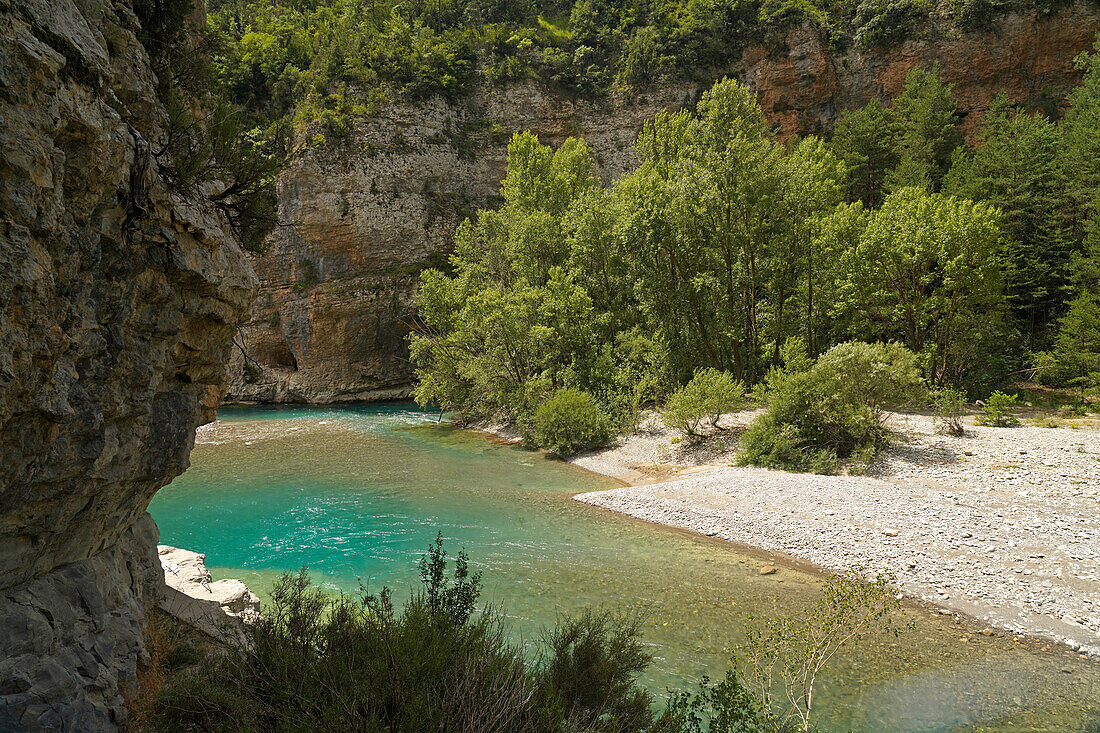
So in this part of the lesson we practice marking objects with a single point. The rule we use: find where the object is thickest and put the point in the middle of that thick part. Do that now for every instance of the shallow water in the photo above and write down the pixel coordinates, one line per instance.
(355, 494)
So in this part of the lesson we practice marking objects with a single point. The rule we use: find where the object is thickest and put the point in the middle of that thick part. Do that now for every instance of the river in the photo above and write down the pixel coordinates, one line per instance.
(355, 494)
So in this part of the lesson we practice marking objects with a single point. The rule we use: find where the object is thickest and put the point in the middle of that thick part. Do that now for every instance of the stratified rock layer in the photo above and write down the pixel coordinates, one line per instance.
(363, 215)
(118, 300)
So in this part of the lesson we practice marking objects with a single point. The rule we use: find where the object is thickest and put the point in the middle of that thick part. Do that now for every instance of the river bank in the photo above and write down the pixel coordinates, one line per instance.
(1001, 525)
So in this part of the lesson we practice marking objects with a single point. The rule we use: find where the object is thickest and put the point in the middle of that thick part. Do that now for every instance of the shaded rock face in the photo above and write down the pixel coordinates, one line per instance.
(118, 300)
(363, 215)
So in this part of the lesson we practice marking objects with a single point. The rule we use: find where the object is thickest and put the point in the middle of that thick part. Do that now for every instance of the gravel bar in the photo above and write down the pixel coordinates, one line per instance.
(1002, 524)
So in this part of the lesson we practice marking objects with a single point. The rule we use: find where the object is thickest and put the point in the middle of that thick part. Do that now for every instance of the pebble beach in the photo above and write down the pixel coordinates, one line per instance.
(1001, 525)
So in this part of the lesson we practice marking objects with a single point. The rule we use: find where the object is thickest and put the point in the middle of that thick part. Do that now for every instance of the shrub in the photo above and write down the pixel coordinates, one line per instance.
(316, 662)
(593, 660)
(770, 686)
(723, 707)
(876, 375)
(569, 422)
(833, 410)
(882, 23)
(702, 401)
(252, 372)
(950, 405)
(998, 411)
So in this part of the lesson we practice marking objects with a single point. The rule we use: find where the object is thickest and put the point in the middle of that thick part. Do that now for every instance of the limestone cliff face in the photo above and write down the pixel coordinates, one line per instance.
(118, 300)
(362, 216)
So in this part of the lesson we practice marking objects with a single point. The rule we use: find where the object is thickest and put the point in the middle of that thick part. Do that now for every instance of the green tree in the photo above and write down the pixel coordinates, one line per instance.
(925, 271)
(925, 121)
(722, 219)
(569, 422)
(1016, 166)
(812, 186)
(1075, 358)
(1081, 144)
(703, 400)
(820, 412)
(865, 140)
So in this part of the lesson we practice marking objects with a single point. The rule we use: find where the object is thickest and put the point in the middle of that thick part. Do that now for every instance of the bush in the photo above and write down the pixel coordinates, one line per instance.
(321, 663)
(569, 422)
(703, 400)
(593, 661)
(998, 411)
(770, 686)
(950, 405)
(833, 410)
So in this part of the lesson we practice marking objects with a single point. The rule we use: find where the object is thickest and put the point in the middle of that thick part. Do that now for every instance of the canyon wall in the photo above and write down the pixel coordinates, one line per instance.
(362, 216)
(118, 301)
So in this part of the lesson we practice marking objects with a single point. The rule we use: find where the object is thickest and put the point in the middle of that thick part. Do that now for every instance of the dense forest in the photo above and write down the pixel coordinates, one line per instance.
(729, 251)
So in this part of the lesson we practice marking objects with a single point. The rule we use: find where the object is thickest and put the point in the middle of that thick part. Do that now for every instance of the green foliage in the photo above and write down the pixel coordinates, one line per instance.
(925, 272)
(702, 401)
(998, 411)
(339, 663)
(252, 372)
(448, 600)
(782, 658)
(833, 409)
(569, 422)
(209, 149)
(864, 140)
(723, 245)
(1017, 167)
(592, 663)
(513, 323)
(1075, 359)
(949, 405)
(771, 684)
(925, 119)
(723, 707)
(881, 23)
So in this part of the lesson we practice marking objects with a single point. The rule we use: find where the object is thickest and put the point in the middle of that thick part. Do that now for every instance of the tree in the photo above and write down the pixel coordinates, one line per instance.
(1081, 144)
(1075, 359)
(925, 271)
(829, 322)
(721, 219)
(925, 120)
(569, 422)
(821, 412)
(812, 188)
(789, 653)
(1017, 167)
(865, 140)
(507, 328)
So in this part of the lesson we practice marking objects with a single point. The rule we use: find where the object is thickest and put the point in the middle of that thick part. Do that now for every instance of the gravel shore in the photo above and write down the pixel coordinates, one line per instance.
(1002, 524)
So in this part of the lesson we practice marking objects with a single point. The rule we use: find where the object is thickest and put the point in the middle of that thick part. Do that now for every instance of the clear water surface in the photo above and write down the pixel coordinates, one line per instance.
(355, 494)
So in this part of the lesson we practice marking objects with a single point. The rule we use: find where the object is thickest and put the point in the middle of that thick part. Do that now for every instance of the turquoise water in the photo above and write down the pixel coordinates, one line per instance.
(355, 494)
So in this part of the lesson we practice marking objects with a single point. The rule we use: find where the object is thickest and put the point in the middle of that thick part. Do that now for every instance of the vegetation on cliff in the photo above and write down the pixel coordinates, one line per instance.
(724, 244)
(208, 147)
(331, 61)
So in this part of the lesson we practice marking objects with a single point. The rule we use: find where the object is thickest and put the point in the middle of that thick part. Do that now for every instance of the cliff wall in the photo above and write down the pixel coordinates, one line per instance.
(363, 215)
(118, 301)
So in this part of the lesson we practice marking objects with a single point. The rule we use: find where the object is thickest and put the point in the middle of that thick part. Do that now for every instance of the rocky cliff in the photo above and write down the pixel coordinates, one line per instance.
(363, 215)
(118, 300)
